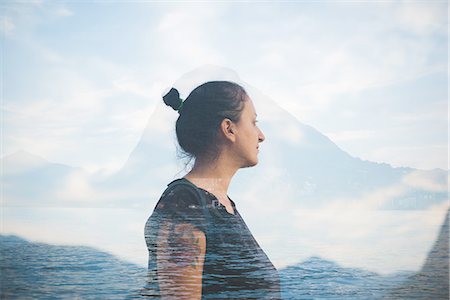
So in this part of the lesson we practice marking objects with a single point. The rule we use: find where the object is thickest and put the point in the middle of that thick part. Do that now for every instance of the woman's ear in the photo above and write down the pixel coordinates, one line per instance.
(228, 129)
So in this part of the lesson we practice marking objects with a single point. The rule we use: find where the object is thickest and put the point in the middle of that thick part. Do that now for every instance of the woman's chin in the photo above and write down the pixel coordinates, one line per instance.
(251, 163)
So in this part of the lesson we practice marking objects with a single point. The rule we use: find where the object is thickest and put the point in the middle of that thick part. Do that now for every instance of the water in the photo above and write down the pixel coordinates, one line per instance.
(32, 270)
(41, 271)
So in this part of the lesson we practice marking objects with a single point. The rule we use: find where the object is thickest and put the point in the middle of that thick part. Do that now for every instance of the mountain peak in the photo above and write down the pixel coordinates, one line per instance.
(20, 161)
(24, 156)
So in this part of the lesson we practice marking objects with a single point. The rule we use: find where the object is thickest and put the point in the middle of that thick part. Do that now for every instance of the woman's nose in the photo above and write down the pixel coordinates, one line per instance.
(261, 136)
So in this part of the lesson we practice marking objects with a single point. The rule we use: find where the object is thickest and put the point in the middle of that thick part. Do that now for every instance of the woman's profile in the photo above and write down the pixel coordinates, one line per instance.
(199, 245)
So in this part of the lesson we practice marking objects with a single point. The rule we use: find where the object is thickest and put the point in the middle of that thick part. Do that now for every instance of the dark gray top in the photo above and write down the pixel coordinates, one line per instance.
(235, 266)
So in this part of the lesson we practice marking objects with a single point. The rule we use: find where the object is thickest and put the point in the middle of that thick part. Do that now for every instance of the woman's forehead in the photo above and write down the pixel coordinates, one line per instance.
(249, 108)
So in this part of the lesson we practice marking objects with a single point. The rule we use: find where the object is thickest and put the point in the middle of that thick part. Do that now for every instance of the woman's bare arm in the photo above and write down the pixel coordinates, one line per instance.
(180, 256)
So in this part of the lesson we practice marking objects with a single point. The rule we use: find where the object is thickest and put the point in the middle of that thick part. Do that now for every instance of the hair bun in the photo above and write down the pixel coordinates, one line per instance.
(172, 99)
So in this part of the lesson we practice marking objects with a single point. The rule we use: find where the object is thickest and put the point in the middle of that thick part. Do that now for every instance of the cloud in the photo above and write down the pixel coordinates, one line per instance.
(327, 72)
(421, 157)
(63, 12)
(428, 151)
(428, 181)
(349, 135)
(117, 231)
(381, 241)
(77, 99)
(77, 189)
(431, 181)
(20, 162)
(183, 35)
(292, 133)
(7, 26)
(131, 84)
(353, 231)
(368, 201)
(80, 113)
(308, 63)
(22, 17)
(421, 18)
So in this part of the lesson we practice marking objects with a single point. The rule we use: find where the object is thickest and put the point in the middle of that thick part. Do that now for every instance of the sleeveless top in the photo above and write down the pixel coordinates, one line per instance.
(234, 267)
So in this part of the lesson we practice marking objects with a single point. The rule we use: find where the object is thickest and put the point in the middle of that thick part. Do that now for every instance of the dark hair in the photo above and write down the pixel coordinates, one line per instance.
(202, 113)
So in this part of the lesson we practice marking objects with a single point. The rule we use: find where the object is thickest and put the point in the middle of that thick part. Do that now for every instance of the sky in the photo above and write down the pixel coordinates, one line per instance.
(80, 79)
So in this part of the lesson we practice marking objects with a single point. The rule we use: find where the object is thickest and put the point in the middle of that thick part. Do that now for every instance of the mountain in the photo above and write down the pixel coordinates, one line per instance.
(316, 278)
(30, 180)
(295, 160)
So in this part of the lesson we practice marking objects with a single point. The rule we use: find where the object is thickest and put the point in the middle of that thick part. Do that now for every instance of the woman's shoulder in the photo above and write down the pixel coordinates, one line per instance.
(179, 195)
(178, 204)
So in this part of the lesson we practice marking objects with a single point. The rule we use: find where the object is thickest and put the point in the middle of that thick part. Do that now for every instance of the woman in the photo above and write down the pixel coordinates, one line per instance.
(199, 245)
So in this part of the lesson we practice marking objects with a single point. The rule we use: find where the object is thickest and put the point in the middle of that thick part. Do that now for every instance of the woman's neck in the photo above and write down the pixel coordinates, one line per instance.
(214, 178)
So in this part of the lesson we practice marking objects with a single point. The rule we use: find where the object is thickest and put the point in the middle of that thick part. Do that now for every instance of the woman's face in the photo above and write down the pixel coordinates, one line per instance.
(248, 136)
